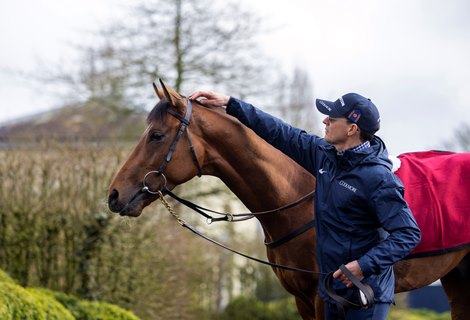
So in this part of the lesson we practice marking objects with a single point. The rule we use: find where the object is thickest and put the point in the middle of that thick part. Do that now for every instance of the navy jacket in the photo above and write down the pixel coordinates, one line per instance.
(360, 211)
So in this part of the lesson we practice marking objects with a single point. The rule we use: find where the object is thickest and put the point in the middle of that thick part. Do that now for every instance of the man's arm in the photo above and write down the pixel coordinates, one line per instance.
(396, 218)
(294, 142)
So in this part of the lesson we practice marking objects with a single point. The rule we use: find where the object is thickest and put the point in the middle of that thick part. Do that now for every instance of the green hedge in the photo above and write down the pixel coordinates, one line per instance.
(18, 303)
(90, 310)
(4, 277)
(250, 308)
(71, 303)
(104, 311)
(54, 309)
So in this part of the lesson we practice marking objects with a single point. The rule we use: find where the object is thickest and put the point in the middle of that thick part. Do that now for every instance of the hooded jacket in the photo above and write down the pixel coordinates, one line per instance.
(360, 212)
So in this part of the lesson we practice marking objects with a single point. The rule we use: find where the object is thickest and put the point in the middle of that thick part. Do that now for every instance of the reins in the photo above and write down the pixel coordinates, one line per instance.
(365, 291)
(231, 217)
(200, 234)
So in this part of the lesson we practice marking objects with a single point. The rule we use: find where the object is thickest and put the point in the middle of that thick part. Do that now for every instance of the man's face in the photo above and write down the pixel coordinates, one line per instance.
(336, 130)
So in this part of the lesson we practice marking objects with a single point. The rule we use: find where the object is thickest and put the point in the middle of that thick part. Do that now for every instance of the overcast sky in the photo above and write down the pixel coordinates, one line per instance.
(411, 57)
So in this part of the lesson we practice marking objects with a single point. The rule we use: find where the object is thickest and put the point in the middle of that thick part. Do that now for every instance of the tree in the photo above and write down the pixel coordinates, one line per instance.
(295, 100)
(189, 42)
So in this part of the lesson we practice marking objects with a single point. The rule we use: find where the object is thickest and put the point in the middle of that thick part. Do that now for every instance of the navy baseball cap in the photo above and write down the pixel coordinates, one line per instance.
(354, 107)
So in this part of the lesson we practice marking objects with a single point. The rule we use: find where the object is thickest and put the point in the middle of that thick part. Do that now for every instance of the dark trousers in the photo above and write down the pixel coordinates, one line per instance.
(378, 311)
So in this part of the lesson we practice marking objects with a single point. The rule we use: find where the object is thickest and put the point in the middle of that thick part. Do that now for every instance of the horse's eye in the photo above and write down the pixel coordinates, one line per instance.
(156, 136)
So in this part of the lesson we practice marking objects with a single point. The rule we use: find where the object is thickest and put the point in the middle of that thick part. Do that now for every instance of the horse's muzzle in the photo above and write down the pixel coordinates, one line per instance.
(134, 206)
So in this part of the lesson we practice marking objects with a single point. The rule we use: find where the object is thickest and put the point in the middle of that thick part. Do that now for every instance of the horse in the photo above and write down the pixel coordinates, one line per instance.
(264, 179)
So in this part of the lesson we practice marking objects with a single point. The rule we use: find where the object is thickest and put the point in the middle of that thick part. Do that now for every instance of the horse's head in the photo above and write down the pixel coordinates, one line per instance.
(148, 169)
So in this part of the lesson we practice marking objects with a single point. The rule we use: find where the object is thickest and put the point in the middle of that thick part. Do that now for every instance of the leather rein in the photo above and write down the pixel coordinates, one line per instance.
(367, 294)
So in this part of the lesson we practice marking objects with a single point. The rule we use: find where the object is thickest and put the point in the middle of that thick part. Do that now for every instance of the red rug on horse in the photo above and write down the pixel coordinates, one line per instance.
(437, 189)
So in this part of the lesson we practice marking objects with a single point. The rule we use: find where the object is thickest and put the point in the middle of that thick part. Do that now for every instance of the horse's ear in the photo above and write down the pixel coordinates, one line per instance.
(158, 91)
(174, 97)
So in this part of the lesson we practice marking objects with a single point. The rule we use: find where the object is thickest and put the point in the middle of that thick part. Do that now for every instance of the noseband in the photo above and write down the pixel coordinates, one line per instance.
(184, 126)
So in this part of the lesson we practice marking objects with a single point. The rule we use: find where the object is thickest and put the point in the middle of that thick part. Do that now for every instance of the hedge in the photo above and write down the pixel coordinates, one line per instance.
(104, 311)
(4, 277)
(54, 309)
(90, 310)
(250, 308)
(18, 303)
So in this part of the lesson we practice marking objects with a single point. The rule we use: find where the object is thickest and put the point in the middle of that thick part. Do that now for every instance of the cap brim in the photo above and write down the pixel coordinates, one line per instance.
(327, 107)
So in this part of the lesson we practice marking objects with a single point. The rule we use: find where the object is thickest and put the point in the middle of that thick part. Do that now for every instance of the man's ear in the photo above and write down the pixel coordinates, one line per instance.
(353, 129)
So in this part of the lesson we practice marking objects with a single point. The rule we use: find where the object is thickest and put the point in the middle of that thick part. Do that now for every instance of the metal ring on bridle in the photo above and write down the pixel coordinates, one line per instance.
(147, 189)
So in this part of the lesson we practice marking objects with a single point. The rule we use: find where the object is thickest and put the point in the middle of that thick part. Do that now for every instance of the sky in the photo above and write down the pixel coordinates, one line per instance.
(409, 56)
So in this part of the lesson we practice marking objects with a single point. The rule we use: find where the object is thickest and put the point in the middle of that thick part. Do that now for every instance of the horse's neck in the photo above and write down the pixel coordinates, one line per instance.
(261, 176)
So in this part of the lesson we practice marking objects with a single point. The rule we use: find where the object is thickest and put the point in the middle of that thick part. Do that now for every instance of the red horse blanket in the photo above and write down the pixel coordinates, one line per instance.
(437, 189)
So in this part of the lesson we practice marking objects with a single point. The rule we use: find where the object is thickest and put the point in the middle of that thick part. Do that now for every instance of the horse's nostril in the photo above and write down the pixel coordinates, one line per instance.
(113, 196)
(113, 201)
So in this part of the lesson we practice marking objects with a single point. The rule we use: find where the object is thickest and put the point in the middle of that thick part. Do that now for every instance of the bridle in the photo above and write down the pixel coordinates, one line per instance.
(367, 295)
(184, 126)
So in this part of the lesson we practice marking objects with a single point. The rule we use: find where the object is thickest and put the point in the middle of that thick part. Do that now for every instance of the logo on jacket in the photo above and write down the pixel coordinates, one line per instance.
(322, 171)
(347, 186)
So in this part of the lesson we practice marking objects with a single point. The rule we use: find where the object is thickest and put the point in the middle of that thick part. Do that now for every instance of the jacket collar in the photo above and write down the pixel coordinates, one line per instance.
(375, 154)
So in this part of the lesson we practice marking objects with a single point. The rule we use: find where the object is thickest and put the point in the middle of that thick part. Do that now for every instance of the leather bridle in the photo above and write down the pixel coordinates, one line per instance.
(184, 126)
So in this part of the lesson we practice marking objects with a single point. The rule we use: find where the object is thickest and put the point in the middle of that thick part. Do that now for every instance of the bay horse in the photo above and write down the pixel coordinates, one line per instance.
(263, 178)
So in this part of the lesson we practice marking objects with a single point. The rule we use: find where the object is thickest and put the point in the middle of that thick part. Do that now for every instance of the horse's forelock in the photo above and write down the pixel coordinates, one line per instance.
(159, 111)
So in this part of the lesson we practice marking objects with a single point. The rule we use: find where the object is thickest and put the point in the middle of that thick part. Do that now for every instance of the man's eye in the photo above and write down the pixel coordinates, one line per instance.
(155, 136)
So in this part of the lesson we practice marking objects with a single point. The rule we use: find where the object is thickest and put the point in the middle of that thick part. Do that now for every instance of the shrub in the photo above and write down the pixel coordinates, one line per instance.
(54, 309)
(95, 310)
(244, 308)
(284, 309)
(4, 277)
(71, 303)
(90, 310)
(16, 303)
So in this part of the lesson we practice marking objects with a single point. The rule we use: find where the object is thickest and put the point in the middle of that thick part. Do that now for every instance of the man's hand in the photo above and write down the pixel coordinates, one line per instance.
(354, 268)
(210, 98)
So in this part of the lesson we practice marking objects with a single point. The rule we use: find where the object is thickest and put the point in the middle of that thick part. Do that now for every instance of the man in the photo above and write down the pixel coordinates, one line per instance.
(362, 219)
